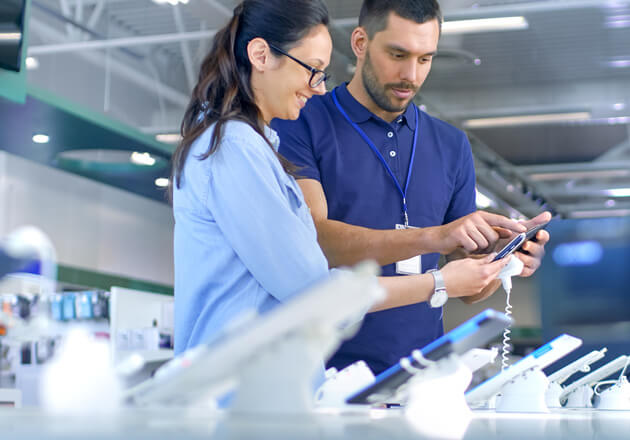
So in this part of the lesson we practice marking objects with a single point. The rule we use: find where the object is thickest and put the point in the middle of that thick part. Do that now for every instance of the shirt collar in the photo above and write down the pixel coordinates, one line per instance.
(409, 116)
(273, 137)
(358, 113)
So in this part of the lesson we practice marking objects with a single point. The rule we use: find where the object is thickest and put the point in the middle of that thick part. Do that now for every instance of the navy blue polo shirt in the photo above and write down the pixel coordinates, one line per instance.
(360, 191)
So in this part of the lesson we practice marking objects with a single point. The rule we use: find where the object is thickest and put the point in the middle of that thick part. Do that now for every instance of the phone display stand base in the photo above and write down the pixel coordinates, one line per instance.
(525, 393)
(435, 399)
(280, 380)
(342, 384)
(615, 398)
(580, 398)
(552, 396)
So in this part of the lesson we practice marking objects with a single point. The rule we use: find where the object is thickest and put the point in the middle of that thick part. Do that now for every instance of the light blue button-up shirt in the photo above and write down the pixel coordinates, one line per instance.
(244, 237)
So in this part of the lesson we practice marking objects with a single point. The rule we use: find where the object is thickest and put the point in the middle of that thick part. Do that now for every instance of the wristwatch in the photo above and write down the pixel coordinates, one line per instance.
(439, 297)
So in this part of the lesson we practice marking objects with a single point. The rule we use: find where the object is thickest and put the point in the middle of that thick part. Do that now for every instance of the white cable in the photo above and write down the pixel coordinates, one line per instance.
(625, 367)
(506, 334)
(600, 383)
(513, 268)
(613, 382)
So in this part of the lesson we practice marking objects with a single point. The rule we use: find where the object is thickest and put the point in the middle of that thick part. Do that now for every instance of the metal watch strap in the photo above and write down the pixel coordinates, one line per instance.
(440, 295)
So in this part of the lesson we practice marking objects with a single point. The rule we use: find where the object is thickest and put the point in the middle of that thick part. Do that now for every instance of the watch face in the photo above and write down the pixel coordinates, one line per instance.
(438, 299)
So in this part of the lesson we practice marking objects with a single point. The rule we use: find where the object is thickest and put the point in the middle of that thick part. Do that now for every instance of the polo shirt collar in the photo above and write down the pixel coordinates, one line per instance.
(358, 113)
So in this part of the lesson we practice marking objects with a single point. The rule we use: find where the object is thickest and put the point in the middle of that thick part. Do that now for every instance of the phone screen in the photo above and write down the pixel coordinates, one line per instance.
(518, 241)
(512, 246)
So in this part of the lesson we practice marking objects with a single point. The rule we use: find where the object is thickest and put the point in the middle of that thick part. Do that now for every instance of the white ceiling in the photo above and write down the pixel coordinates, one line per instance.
(148, 55)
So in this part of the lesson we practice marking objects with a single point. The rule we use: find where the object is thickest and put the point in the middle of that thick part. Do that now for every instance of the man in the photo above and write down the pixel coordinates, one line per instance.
(386, 181)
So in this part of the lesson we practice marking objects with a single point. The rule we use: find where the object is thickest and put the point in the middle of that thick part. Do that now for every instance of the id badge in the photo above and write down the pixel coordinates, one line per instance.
(410, 266)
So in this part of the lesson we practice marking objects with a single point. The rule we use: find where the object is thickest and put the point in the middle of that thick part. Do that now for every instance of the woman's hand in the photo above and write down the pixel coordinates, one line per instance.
(471, 277)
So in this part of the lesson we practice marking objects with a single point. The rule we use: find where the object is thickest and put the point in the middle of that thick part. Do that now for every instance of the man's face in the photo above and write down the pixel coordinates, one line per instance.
(398, 60)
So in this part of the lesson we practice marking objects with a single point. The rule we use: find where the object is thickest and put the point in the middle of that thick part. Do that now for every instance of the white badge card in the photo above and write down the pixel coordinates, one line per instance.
(410, 266)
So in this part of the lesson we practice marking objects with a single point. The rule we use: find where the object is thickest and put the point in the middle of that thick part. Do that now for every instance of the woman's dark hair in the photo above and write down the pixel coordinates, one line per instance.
(223, 91)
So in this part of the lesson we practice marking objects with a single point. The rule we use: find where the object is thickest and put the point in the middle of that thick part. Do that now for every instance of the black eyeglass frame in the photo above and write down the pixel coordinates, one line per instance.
(311, 69)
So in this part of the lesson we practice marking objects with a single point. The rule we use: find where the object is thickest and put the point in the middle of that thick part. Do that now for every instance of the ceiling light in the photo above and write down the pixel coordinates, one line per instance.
(32, 63)
(619, 63)
(10, 36)
(484, 25)
(619, 106)
(161, 182)
(618, 21)
(41, 139)
(618, 120)
(168, 138)
(596, 213)
(579, 174)
(617, 192)
(170, 2)
(543, 118)
(142, 159)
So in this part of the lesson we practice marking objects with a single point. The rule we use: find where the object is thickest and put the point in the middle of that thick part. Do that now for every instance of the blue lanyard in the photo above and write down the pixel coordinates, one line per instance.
(368, 141)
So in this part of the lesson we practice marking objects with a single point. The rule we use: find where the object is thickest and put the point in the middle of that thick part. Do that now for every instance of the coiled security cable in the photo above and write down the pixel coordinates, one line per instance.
(506, 334)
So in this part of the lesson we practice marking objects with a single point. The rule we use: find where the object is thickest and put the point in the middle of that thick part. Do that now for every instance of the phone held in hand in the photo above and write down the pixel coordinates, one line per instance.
(518, 241)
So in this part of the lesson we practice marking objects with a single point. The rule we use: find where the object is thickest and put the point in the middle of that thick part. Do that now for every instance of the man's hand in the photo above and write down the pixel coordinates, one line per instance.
(478, 232)
(532, 252)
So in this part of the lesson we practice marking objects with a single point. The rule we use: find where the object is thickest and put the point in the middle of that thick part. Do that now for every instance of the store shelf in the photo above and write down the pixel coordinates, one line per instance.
(161, 355)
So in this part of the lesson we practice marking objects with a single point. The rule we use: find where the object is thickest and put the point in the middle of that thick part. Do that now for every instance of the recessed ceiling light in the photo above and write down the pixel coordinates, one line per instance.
(142, 159)
(41, 138)
(171, 2)
(600, 213)
(544, 118)
(168, 138)
(161, 182)
(617, 192)
(32, 63)
(484, 25)
(10, 36)
(619, 63)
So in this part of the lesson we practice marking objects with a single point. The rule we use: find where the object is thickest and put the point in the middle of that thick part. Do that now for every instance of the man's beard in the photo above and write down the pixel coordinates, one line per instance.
(378, 92)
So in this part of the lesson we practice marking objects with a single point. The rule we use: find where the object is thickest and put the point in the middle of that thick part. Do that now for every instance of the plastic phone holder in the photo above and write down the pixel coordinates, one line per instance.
(525, 393)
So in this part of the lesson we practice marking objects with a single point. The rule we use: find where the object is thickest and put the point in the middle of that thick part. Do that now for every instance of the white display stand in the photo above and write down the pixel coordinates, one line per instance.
(271, 363)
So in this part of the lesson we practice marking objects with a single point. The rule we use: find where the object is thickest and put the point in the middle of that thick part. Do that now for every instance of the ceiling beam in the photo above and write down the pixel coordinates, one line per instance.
(185, 48)
(123, 69)
(96, 14)
(144, 40)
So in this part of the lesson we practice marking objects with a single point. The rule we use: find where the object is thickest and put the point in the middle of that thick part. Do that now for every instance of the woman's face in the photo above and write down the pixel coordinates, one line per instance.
(284, 89)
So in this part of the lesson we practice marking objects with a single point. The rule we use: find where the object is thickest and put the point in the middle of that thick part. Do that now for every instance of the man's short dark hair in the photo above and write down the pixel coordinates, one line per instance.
(375, 13)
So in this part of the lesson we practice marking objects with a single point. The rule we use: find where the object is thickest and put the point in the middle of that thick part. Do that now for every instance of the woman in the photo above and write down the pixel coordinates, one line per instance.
(244, 237)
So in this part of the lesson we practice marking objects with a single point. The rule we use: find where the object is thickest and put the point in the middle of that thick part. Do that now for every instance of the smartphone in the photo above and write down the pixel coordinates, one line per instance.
(516, 243)
(473, 333)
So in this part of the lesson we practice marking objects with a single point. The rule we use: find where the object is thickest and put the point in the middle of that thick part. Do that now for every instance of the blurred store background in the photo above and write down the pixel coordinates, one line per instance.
(541, 87)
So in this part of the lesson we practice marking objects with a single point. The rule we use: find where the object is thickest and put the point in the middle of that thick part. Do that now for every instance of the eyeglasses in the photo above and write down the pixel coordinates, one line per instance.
(317, 76)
